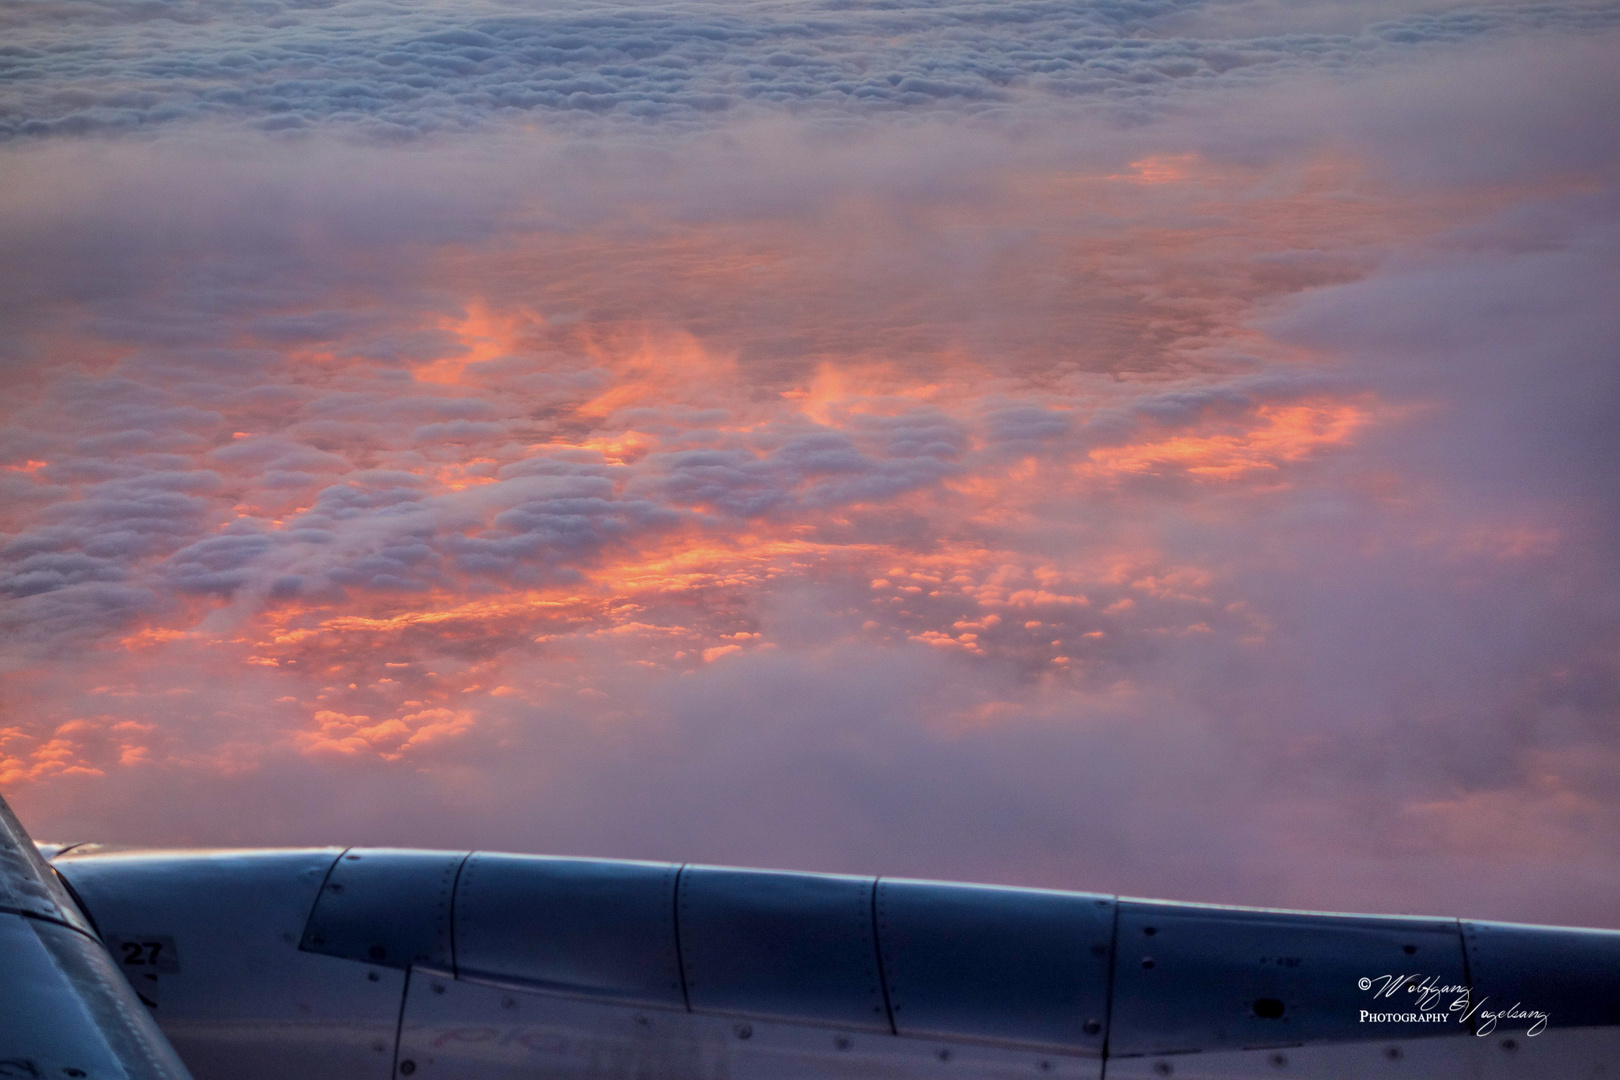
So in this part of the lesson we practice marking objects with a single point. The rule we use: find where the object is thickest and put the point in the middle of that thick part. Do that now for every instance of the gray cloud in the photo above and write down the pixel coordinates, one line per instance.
(394, 72)
(669, 602)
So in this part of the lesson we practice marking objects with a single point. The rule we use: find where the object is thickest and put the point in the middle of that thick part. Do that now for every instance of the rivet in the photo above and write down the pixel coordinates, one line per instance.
(438, 988)
(407, 1067)
(335, 886)
(1408, 949)
(841, 1043)
(71, 1071)
(372, 976)
(1147, 962)
(1509, 1045)
(511, 1003)
(1046, 1066)
(1092, 1027)
(744, 1031)
(1394, 1053)
(944, 1055)
(1279, 1060)
(1267, 1008)
(1163, 1068)
(1150, 930)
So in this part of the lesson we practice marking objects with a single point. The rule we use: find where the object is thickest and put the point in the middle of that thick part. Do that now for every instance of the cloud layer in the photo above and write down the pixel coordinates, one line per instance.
(1164, 448)
(396, 70)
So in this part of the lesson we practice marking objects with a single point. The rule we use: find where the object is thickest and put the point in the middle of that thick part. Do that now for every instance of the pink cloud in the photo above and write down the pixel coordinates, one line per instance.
(1184, 509)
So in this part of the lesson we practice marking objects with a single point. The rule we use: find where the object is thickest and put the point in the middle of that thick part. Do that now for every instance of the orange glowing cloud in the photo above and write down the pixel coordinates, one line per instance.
(1280, 435)
(336, 734)
(482, 335)
(624, 442)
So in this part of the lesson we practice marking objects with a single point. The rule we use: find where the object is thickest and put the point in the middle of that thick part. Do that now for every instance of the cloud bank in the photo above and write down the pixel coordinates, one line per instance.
(395, 70)
(1162, 448)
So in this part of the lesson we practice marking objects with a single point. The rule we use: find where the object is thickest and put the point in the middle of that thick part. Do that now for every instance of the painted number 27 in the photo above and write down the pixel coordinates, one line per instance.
(141, 953)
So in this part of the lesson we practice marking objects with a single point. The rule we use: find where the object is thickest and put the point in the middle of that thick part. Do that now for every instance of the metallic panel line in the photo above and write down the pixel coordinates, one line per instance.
(314, 905)
(42, 917)
(1468, 974)
(77, 899)
(565, 993)
(26, 878)
(450, 915)
(1108, 1000)
(399, 1024)
(432, 972)
(877, 947)
(680, 955)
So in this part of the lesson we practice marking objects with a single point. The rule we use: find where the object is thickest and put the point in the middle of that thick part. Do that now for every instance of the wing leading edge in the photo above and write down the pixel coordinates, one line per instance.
(65, 1009)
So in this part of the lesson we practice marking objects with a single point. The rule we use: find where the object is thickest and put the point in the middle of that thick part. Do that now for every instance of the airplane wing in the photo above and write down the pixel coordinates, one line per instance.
(66, 1011)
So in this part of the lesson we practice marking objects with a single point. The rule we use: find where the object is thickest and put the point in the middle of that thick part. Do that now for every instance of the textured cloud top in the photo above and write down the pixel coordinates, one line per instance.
(395, 69)
(1157, 447)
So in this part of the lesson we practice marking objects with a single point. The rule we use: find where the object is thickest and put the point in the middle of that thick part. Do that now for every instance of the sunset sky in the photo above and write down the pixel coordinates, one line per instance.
(1168, 447)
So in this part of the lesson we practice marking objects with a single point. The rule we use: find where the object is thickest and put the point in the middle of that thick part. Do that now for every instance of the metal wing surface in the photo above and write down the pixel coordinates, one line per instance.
(66, 1011)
